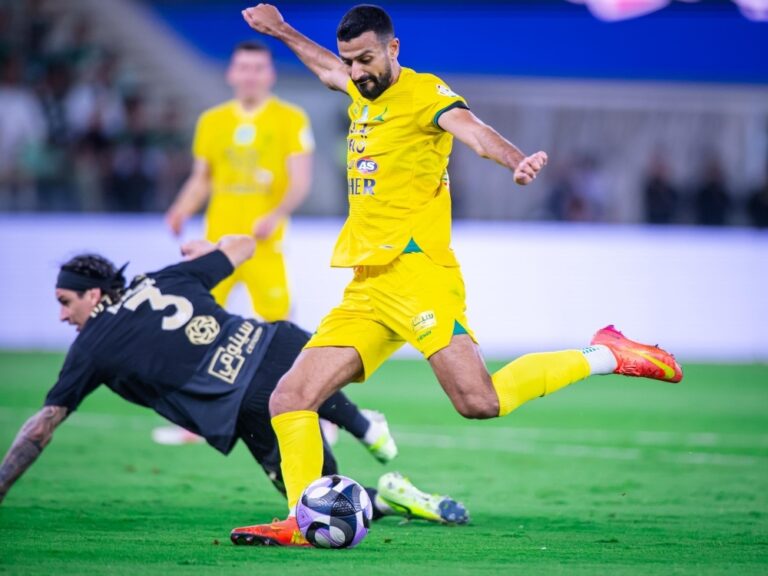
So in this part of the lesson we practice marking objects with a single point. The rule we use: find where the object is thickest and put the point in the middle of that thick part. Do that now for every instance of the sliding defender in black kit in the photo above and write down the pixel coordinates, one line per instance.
(162, 342)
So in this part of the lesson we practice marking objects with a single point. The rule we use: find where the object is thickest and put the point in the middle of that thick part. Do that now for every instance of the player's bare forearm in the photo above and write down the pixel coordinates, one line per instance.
(488, 143)
(29, 443)
(492, 145)
(191, 198)
(300, 180)
(237, 247)
(193, 194)
(322, 62)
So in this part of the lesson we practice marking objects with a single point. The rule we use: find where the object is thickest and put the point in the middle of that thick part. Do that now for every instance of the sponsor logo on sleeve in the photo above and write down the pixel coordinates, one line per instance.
(445, 91)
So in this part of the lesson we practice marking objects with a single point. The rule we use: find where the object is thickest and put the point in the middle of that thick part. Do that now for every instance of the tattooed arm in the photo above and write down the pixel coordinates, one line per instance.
(30, 441)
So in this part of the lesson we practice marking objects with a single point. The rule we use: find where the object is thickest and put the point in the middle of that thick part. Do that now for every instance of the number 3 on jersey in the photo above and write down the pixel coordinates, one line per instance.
(148, 292)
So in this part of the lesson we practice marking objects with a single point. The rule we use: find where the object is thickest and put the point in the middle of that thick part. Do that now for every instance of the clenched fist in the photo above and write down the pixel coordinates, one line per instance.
(529, 168)
(263, 18)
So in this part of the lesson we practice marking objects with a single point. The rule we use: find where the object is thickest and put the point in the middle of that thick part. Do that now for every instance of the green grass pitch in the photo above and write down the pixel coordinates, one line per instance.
(610, 476)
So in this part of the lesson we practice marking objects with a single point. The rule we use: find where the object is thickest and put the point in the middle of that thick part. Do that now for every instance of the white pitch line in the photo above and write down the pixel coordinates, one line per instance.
(601, 436)
(575, 450)
(557, 442)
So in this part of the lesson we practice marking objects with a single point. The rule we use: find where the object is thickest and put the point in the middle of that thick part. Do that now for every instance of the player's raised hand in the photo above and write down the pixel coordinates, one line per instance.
(529, 168)
(175, 219)
(264, 227)
(196, 248)
(263, 18)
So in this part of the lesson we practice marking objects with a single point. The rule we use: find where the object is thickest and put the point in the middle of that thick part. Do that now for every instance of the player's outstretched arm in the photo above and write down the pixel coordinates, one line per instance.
(34, 435)
(191, 198)
(299, 182)
(488, 143)
(237, 247)
(331, 71)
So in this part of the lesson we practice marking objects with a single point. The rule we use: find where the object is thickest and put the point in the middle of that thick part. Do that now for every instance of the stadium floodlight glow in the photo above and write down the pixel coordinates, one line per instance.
(754, 9)
(614, 10)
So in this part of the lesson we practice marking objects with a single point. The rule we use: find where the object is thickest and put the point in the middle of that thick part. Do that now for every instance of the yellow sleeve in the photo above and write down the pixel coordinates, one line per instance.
(301, 140)
(433, 98)
(352, 90)
(202, 143)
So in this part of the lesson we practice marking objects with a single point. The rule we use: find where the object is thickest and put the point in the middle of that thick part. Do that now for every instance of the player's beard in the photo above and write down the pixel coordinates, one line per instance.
(377, 84)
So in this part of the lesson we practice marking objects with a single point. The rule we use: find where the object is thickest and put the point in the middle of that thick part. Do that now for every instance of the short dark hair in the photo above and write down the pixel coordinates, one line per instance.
(251, 46)
(365, 18)
(99, 268)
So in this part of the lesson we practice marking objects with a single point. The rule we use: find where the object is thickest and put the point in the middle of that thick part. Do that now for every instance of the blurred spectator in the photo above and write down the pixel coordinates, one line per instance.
(590, 192)
(661, 197)
(94, 102)
(51, 91)
(171, 157)
(95, 118)
(757, 205)
(69, 138)
(53, 174)
(579, 193)
(712, 200)
(35, 28)
(560, 198)
(71, 39)
(6, 31)
(22, 136)
(133, 172)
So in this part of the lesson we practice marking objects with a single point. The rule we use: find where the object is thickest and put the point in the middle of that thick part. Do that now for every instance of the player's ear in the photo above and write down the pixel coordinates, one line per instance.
(393, 48)
(93, 296)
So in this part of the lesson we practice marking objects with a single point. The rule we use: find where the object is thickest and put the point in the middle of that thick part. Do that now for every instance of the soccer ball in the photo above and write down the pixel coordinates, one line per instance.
(334, 512)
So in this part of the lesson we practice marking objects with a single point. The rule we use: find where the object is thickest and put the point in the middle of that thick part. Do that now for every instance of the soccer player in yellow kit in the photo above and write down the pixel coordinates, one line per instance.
(253, 157)
(407, 285)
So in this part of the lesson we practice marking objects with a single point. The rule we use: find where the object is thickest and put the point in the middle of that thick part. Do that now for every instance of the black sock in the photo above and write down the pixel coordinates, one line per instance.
(372, 495)
(344, 413)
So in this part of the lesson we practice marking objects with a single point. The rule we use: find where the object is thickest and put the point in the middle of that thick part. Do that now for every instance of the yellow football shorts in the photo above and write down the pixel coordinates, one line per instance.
(264, 274)
(412, 300)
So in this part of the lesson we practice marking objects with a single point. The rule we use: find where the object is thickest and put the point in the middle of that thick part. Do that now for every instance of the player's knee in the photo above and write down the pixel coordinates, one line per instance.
(478, 406)
(290, 396)
(281, 401)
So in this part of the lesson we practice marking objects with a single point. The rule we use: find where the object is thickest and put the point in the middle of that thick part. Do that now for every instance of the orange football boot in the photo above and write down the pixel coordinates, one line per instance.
(635, 359)
(277, 533)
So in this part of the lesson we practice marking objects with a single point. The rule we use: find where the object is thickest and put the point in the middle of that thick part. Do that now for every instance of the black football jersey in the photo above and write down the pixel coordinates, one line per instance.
(167, 345)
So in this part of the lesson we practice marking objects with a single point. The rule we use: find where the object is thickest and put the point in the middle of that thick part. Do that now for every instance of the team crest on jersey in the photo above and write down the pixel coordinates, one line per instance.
(245, 134)
(423, 321)
(367, 166)
(202, 330)
(445, 91)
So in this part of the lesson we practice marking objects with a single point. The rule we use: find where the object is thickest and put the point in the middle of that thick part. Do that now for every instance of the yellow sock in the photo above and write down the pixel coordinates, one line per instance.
(301, 451)
(535, 375)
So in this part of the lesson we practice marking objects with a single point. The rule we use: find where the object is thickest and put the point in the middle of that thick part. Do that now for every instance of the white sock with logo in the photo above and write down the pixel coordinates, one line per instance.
(601, 359)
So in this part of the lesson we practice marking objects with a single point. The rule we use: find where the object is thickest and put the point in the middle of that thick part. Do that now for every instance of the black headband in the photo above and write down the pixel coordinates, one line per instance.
(69, 280)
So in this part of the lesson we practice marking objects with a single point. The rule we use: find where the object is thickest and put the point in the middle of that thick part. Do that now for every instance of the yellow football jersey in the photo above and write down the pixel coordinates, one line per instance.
(247, 154)
(397, 159)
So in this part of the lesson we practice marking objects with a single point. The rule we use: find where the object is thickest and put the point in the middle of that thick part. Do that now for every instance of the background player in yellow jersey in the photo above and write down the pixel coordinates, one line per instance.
(407, 285)
(253, 157)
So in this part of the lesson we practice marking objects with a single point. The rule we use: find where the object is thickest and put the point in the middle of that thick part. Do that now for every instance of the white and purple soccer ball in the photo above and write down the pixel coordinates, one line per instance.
(334, 512)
